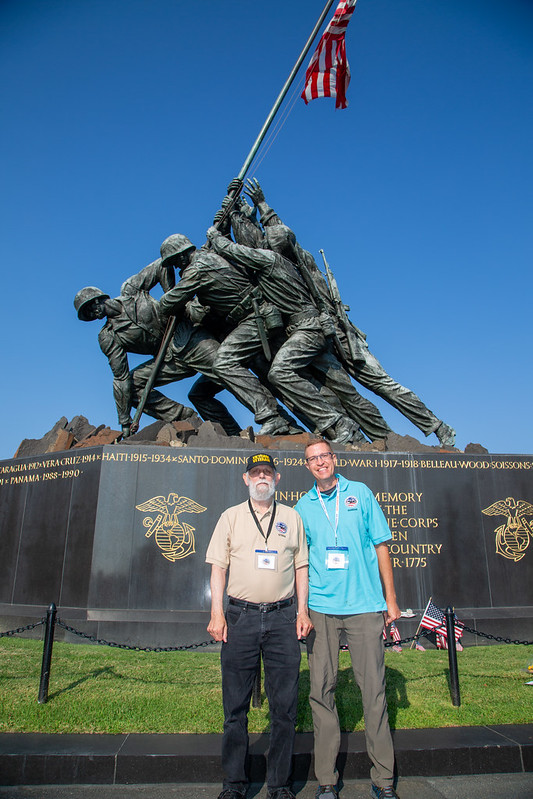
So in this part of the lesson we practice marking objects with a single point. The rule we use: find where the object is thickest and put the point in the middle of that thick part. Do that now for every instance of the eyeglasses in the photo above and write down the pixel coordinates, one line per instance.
(258, 471)
(324, 456)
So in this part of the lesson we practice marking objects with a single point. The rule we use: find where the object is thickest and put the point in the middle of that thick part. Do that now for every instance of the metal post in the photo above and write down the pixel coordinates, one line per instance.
(274, 110)
(47, 653)
(452, 657)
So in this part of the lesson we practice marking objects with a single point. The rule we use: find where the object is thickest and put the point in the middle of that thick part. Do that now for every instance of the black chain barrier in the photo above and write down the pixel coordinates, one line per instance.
(23, 629)
(423, 634)
(466, 629)
(498, 638)
(103, 642)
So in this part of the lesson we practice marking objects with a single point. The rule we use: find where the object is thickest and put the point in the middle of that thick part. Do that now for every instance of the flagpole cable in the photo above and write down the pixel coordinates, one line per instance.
(276, 130)
(283, 92)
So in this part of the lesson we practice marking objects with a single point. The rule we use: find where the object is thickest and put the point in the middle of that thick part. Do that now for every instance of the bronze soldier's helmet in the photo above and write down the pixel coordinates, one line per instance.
(85, 296)
(174, 245)
(280, 238)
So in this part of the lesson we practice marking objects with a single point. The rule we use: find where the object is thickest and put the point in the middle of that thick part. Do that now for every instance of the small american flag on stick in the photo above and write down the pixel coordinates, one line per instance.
(434, 619)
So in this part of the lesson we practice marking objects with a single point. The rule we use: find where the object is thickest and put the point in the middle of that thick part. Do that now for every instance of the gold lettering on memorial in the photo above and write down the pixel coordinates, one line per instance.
(401, 521)
(175, 539)
(289, 496)
(512, 538)
(19, 474)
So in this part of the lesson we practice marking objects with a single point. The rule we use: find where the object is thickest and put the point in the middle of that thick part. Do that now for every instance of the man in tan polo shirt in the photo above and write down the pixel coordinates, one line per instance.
(263, 545)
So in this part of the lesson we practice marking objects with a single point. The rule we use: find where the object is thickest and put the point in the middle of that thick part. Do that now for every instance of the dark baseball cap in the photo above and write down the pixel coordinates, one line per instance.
(260, 459)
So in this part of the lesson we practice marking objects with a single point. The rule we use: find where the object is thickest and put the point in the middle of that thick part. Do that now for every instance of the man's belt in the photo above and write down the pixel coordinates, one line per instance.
(240, 311)
(264, 607)
(303, 316)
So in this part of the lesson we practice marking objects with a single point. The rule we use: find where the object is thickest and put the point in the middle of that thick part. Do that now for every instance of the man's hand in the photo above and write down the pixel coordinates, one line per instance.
(126, 430)
(245, 208)
(222, 222)
(304, 625)
(235, 186)
(217, 628)
(254, 191)
(392, 613)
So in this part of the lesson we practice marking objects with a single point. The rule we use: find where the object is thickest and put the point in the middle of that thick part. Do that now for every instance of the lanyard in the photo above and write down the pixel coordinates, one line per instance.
(256, 520)
(336, 510)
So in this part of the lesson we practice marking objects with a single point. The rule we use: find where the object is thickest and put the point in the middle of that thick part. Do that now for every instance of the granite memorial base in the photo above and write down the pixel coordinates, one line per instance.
(116, 536)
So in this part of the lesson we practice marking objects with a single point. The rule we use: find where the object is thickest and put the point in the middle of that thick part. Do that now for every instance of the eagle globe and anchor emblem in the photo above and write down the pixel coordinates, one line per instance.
(175, 539)
(512, 538)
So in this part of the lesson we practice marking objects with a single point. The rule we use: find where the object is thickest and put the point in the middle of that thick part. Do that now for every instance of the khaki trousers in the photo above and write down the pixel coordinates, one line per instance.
(364, 635)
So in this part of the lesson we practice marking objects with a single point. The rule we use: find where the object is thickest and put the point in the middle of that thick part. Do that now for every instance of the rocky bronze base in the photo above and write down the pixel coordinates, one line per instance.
(80, 433)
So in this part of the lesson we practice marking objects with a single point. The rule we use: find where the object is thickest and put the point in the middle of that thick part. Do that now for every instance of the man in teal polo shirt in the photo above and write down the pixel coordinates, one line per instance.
(351, 590)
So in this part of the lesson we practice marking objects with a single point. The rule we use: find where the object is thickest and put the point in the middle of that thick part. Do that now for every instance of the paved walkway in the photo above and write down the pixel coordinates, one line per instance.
(483, 786)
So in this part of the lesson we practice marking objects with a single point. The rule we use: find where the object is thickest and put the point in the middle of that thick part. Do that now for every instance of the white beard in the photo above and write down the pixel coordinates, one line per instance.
(261, 492)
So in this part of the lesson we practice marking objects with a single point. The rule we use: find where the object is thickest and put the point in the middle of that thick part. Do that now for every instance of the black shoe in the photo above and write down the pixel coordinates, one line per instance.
(231, 793)
(280, 793)
(384, 793)
(326, 792)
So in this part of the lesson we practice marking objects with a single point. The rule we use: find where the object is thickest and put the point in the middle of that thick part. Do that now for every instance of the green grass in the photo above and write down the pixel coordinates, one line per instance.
(96, 689)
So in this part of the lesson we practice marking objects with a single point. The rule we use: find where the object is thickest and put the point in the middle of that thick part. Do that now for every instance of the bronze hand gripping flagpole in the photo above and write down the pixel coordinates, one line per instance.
(171, 324)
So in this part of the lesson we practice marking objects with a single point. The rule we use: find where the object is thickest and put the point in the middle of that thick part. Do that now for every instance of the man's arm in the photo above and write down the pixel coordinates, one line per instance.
(249, 257)
(385, 572)
(175, 300)
(217, 624)
(255, 193)
(303, 622)
(147, 278)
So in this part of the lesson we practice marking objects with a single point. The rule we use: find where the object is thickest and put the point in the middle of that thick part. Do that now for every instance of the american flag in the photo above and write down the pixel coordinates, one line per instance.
(442, 642)
(328, 73)
(434, 619)
(394, 633)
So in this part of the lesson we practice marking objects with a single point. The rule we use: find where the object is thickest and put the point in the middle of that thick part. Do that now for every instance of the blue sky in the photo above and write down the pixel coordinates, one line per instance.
(123, 122)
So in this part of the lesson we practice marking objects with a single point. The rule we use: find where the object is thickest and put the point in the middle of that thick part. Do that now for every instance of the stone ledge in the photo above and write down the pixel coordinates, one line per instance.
(44, 759)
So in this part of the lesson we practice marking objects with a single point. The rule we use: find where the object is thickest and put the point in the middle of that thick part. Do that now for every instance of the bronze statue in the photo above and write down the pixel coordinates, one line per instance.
(255, 316)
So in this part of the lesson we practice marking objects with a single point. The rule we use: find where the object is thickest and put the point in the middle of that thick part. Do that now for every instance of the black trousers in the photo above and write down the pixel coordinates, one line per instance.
(250, 633)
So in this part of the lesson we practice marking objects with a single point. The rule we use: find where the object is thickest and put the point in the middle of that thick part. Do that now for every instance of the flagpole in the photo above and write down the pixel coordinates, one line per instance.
(283, 92)
(420, 625)
(171, 324)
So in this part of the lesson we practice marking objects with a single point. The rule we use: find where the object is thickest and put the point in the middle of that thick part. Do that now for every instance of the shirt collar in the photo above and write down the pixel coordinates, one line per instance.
(259, 512)
(342, 486)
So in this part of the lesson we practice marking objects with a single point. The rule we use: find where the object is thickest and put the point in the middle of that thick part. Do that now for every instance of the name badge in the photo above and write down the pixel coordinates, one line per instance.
(337, 558)
(266, 559)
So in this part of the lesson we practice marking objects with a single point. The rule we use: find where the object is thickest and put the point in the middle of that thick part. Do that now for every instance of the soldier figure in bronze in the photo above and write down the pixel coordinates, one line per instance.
(238, 310)
(134, 324)
(358, 361)
(299, 341)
